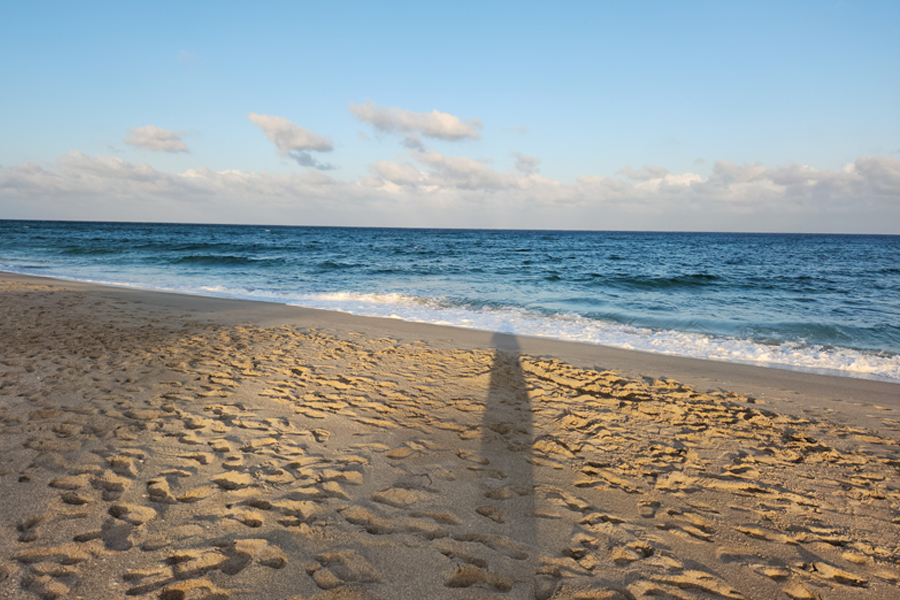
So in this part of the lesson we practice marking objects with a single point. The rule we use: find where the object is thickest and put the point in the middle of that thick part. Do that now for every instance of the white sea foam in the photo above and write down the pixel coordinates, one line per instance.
(576, 328)
(567, 327)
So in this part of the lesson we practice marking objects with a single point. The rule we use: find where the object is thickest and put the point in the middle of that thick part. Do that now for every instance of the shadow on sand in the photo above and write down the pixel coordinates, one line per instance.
(507, 438)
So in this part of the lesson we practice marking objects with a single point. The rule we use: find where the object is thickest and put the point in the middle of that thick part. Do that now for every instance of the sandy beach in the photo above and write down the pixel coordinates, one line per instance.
(180, 447)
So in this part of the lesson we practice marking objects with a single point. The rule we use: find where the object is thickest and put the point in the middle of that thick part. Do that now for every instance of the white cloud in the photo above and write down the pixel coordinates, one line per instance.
(156, 139)
(789, 175)
(526, 164)
(396, 173)
(462, 172)
(292, 140)
(683, 179)
(435, 124)
(105, 167)
(413, 142)
(726, 172)
(109, 188)
(883, 173)
(731, 191)
(433, 189)
(288, 136)
(645, 174)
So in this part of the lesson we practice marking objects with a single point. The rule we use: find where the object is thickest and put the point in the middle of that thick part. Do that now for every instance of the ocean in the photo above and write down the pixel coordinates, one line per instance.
(820, 303)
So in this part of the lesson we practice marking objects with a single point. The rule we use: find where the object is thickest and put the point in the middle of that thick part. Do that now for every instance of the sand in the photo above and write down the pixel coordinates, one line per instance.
(178, 447)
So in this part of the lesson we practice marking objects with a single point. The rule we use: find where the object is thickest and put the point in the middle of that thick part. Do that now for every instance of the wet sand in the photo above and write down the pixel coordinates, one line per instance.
(178, 447)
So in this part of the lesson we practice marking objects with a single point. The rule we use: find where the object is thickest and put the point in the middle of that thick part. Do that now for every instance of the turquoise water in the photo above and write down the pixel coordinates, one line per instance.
(826, 303)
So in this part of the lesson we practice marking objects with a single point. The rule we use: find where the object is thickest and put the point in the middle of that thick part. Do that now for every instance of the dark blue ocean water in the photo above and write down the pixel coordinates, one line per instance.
(817, 302)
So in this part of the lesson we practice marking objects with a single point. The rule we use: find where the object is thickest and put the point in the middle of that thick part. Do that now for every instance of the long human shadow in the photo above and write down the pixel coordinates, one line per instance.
(506, 441)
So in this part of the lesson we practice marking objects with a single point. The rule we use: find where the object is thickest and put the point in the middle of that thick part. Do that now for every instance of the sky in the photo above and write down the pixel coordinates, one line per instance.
(687, 116)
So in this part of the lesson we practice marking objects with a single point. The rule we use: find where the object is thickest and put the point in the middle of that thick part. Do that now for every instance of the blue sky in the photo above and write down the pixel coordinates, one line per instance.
(762, 116)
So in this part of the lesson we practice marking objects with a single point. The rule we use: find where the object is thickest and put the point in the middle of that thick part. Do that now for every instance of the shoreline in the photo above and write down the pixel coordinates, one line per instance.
(162, 446)
(847, 395)
(772, 330)
(771, 365)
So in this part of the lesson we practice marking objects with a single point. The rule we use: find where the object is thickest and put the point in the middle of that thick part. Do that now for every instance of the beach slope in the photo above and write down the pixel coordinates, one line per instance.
(179, 447)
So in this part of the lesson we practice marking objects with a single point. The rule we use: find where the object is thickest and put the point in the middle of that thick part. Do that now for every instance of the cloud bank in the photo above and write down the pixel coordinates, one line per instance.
(293, 141)
(437, 125)
(156, 139)
(435, 190)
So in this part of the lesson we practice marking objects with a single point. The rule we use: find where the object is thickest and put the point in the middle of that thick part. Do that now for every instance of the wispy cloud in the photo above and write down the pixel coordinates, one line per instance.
(156, 139)
(293, 141)
(526, 164)
(434, 124)
(413, 142)
(645, 174)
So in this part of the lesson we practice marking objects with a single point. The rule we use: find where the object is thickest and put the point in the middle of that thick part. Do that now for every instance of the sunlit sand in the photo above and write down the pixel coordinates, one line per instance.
(176, 447)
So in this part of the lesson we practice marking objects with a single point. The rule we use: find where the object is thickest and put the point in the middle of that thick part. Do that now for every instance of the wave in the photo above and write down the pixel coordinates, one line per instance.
(693, 280)
(496, 317)
(817, 358)
(23, 269)
(329, 265)
(217, 260)
(89, 251)
(803, 304)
